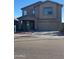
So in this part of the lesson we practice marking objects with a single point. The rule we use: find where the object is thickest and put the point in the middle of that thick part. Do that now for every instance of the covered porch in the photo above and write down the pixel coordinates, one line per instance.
(27, 25)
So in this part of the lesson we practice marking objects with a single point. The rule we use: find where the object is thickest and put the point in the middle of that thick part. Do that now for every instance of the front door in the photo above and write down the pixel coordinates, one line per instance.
(30, 25)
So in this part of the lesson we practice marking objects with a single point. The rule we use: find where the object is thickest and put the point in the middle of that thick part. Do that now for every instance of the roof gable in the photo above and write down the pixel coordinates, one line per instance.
(51, 3)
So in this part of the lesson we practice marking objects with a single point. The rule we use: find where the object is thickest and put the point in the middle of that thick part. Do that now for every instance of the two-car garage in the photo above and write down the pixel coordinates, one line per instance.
(47, 25)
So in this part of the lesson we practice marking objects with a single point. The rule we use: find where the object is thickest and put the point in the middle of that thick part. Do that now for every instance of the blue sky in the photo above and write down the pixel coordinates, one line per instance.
(18, 4)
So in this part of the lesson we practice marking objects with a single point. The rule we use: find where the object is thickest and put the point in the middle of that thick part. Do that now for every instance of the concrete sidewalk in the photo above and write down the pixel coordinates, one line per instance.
(40, 35)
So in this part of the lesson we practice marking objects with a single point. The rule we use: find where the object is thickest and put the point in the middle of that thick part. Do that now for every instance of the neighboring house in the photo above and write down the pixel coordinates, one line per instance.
(41, 16)
(16, 25)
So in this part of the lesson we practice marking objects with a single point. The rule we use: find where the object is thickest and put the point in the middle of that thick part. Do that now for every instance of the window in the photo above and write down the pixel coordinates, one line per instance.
(33, 12)
(48, 11)
(25, 12)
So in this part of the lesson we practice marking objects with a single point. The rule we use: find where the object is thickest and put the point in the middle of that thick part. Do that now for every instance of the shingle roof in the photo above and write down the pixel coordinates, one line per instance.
(39, 3)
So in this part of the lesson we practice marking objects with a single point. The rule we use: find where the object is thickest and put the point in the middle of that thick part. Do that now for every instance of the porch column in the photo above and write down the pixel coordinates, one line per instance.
(23, 25)
(36, 24)
(14, 28)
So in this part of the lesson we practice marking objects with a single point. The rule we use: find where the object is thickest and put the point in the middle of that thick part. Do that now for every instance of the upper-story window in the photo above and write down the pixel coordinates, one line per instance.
(48, 11)
(33, 12)
(25, 12)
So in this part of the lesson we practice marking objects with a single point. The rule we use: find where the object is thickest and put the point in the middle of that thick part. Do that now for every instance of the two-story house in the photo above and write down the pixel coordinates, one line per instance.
(42, 15)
